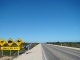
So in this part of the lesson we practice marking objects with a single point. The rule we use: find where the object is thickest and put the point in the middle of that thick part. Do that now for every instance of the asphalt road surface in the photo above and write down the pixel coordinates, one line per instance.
(51, 52)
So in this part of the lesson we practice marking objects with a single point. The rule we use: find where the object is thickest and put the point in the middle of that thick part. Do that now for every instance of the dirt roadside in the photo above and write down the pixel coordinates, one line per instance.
(6, 58)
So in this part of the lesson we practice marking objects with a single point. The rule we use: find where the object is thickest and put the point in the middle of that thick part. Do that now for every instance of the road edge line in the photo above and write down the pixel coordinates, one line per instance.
(43, 53)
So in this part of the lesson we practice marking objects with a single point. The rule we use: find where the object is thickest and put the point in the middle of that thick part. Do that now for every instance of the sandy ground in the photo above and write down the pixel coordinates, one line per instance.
(5, 58)
(33, 54)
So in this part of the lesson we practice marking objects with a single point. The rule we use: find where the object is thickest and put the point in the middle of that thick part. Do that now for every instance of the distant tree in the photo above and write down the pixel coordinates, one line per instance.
(58, 43)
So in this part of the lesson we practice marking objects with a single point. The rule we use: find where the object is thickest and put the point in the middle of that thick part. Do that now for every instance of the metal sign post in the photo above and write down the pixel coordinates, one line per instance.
(10, 52)
(18, 42)
(2, 52)
(2, 42)
(10, 42)
(18, 52)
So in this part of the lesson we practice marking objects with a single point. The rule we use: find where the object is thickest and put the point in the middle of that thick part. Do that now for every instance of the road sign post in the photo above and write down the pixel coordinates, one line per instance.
(18, 52)
(10, 47)
(18, 43)
(2, 52)
(10, 42)
(2, 42)
(10, 52)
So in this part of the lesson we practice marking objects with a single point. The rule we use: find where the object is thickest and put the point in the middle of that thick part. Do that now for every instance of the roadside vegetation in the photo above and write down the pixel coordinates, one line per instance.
(69, 44)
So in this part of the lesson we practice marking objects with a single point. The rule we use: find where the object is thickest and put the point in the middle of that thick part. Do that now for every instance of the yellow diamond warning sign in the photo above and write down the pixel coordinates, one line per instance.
(10, 41)
(2, 42)
(18, 41)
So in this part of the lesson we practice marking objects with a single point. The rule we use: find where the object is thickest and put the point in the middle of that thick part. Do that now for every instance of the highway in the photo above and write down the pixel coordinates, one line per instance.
(52, 52)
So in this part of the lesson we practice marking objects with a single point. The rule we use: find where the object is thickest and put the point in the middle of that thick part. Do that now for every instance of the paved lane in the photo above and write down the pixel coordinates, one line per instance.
(60, 53)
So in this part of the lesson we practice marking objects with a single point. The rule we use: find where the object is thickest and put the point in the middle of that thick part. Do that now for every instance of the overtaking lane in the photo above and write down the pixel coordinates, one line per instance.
(56, 53)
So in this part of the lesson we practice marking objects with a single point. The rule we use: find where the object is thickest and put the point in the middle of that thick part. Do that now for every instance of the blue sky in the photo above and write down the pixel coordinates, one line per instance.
(40, 20)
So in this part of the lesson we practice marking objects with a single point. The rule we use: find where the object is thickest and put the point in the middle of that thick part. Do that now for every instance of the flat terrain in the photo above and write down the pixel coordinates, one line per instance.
(49, 52)
(5, 58)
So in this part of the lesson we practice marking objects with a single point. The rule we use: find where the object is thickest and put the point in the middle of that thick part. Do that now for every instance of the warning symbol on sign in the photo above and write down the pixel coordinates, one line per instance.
(18, 42)
(10, 42)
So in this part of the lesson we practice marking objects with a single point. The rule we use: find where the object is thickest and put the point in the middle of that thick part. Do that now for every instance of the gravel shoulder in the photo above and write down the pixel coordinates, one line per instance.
(33, 54)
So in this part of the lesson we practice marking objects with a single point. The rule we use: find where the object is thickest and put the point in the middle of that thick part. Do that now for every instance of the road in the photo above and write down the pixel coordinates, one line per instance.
(52, 52)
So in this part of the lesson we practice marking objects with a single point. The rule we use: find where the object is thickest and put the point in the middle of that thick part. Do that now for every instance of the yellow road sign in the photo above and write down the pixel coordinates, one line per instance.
(2, 42)
(10, 48)
(18, 41)
(10, 41)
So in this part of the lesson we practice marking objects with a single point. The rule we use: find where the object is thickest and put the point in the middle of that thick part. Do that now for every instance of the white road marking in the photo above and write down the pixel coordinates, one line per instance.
(67, 47)
(43, 53)
(68, 52)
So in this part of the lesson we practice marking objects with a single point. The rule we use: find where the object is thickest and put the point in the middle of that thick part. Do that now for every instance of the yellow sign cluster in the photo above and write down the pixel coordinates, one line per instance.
(10, 42)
